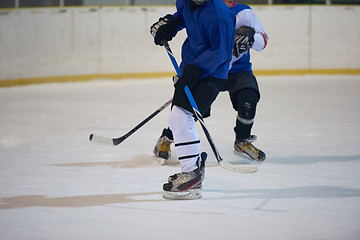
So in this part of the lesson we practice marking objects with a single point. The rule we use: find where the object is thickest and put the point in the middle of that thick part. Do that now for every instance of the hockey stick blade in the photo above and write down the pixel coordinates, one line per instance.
(240, 168)
(103, 140)
(117, 141)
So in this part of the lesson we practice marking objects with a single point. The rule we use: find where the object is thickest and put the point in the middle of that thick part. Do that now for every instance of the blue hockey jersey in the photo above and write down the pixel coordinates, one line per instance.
(210, 36)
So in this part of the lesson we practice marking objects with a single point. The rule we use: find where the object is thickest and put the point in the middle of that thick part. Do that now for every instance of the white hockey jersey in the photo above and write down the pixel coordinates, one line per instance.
(245, 16)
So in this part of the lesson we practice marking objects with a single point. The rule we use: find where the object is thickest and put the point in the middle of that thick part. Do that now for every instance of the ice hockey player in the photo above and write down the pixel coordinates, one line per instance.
(206, 56)
(243, 88)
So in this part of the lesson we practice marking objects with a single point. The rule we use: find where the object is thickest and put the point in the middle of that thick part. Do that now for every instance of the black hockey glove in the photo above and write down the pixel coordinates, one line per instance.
(190, 75)
(244, 40)
(164, 29)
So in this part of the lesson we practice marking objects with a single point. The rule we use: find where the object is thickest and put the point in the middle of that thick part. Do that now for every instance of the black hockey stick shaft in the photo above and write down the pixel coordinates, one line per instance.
(117, 141)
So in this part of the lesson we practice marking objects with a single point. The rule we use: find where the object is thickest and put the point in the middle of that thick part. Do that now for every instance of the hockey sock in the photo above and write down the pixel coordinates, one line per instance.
(186, 139)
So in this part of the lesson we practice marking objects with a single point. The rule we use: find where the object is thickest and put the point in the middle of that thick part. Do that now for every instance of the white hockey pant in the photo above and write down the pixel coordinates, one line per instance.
(186, 139)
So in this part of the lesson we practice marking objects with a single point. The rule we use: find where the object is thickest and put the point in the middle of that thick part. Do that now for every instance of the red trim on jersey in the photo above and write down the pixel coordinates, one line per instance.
(265, 38)
(233, 4)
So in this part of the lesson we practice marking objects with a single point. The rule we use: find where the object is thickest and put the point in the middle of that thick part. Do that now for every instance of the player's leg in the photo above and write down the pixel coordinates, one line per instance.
(246, 101)
(245, 94)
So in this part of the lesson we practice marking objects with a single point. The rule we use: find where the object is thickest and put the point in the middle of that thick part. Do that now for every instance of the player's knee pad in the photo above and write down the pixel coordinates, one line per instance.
(245, 103)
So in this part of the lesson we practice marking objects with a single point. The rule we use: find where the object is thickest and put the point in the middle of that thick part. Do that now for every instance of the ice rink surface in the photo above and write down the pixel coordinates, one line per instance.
(55, 184)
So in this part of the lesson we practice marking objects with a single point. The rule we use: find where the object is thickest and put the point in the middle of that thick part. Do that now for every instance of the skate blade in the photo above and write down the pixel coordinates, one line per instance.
(184, 195)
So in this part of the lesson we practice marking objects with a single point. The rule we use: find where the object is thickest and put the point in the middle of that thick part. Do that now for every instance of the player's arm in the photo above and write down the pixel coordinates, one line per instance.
(249, 33)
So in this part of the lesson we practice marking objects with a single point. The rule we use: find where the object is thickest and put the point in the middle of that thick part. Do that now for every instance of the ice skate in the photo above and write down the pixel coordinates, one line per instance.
(162, 150)
(245, 148)
(186, 185)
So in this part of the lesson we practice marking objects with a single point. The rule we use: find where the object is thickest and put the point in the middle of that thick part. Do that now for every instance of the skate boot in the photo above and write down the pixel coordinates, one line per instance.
(162, 150)
(245, 148)
(186, 185)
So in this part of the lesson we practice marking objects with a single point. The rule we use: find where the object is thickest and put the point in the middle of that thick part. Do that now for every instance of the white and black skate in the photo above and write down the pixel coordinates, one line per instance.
(186, 185)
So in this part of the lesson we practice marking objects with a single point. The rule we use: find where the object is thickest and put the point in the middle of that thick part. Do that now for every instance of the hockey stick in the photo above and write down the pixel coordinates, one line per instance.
(233, 167)
(117, 141)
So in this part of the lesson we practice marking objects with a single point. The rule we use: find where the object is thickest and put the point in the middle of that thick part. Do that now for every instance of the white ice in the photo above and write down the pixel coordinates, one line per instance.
(57, 185)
